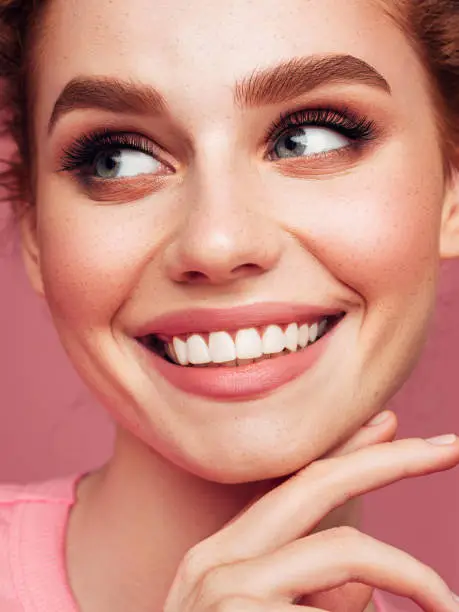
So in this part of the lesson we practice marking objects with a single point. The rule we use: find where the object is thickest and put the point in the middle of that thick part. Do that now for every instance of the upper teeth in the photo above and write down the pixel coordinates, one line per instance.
(224, 347)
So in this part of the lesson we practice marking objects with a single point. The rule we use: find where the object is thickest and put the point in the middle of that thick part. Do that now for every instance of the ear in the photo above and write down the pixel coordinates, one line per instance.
(449, 233)
(30, 249)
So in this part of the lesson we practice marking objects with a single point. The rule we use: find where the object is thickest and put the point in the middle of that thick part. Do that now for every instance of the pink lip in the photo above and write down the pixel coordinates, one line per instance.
(241, 382)
(217, 319)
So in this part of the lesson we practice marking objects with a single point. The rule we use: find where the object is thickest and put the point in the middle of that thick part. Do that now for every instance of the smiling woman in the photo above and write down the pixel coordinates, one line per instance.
(235, 212)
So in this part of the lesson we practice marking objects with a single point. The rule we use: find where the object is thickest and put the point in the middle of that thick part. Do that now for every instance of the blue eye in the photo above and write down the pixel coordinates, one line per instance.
(311, 132)
(308, 140)
(104, 155)
(123, 163)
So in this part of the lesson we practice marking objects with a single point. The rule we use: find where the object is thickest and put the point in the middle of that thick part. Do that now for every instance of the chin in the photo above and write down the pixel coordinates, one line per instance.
(243, 474)
(232, 465)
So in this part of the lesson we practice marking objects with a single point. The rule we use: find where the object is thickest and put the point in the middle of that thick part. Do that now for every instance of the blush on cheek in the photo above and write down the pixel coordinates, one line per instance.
(91, 260)
(377, 229)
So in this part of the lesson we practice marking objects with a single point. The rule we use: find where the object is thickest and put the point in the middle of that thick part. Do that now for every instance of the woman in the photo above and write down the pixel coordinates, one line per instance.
(235, 212)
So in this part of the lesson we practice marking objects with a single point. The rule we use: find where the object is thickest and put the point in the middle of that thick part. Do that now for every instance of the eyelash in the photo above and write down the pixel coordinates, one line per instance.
(358, 129)
(83, 152)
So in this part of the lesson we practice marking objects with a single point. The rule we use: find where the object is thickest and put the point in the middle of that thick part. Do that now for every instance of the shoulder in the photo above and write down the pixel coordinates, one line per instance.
(28, 513)
(15, 497)
(18, 500)
(55, 490)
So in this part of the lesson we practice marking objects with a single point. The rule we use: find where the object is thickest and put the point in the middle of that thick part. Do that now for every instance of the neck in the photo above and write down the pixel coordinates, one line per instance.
(135, 519)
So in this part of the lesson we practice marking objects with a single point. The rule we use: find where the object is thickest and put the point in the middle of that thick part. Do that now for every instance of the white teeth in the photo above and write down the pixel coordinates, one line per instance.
(221, 347)
(248, 344)
(180, 351)
(303, 335)
(198, 353)
(291, 337)
(273, 340)
(313, 332)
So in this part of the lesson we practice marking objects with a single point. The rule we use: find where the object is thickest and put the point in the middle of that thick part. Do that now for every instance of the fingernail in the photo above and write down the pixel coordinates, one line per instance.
(442, 440)
(455, 597)
(379, 418)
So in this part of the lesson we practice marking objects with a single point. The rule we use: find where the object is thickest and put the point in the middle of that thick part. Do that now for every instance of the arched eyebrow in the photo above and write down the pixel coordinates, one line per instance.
(300, 75)
(273, 85)
(107, 93)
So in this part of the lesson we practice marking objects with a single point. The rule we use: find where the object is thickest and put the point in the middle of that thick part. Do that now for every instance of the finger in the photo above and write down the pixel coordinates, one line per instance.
(328, 560)
(295, 507)
(382, 431)
(249, 604)
(367, 435)
(351, 597)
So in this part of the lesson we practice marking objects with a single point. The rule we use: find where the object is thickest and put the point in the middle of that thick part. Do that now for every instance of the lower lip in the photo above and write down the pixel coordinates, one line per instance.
(241, 382)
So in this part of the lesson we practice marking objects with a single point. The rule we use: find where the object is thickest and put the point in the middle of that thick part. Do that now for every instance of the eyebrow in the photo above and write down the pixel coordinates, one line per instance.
(301, 75)
(272, 85)
(107, 93)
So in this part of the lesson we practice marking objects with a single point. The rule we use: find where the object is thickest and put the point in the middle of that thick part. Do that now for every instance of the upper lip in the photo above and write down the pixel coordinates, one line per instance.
(202, 320)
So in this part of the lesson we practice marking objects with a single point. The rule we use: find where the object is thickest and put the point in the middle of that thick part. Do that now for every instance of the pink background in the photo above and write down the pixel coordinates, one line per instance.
(51, 426)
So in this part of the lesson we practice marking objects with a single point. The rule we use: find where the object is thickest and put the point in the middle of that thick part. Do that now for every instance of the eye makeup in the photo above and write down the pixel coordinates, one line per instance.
(80, 157)
(357, 128)
(82, 153)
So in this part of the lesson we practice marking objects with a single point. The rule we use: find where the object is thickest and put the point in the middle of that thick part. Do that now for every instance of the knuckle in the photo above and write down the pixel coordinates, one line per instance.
(194, 564)
(318, 475)
(322, 468)
(345, 535)
(411, 446)
(214, 587)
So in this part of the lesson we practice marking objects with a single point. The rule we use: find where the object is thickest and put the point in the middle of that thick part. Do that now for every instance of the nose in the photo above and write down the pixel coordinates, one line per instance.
(225, 234)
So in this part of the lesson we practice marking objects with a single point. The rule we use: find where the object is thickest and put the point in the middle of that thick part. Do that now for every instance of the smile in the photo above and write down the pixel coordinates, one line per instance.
(240, 347)
(239, 353)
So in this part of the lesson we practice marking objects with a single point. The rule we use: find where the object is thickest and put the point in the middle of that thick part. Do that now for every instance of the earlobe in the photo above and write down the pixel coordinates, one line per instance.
(449, 234)
(31, 251)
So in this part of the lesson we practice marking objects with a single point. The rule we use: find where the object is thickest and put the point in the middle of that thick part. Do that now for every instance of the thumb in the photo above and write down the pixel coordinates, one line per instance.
(351, 597)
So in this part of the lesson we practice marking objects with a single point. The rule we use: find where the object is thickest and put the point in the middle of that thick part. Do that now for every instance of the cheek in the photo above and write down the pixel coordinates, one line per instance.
(92, 255)
(375, 229)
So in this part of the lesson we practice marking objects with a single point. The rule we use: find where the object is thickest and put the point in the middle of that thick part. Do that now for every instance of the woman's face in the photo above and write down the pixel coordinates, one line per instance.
(214, 155)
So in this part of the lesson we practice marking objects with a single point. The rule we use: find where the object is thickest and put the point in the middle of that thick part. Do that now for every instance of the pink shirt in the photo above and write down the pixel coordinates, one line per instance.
(33, 521)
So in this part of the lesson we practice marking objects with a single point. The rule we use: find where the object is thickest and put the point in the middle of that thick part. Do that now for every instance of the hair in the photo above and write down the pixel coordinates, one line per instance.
(432, 26)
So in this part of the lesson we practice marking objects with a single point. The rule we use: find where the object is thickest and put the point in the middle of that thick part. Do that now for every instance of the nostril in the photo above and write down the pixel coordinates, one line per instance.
(246, 270)
(193, 275)
(219, 274)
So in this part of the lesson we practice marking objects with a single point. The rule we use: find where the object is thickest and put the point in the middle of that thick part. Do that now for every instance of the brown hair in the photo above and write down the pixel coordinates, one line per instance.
(431, 25)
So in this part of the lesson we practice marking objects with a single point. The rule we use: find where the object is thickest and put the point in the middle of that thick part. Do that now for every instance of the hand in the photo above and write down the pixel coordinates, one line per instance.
(265, 561)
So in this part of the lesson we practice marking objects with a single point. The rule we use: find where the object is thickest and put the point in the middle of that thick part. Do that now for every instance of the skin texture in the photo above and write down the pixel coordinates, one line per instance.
(242, 224)
(364, 231)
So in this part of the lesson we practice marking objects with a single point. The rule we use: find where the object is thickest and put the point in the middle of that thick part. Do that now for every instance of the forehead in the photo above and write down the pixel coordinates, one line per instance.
(192, 50)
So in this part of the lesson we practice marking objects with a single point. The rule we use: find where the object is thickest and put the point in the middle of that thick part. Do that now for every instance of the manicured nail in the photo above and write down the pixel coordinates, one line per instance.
(379, 418)
(442, 440)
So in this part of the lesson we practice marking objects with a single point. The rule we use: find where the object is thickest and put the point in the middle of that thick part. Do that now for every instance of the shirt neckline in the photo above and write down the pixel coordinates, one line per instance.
(38, 545)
